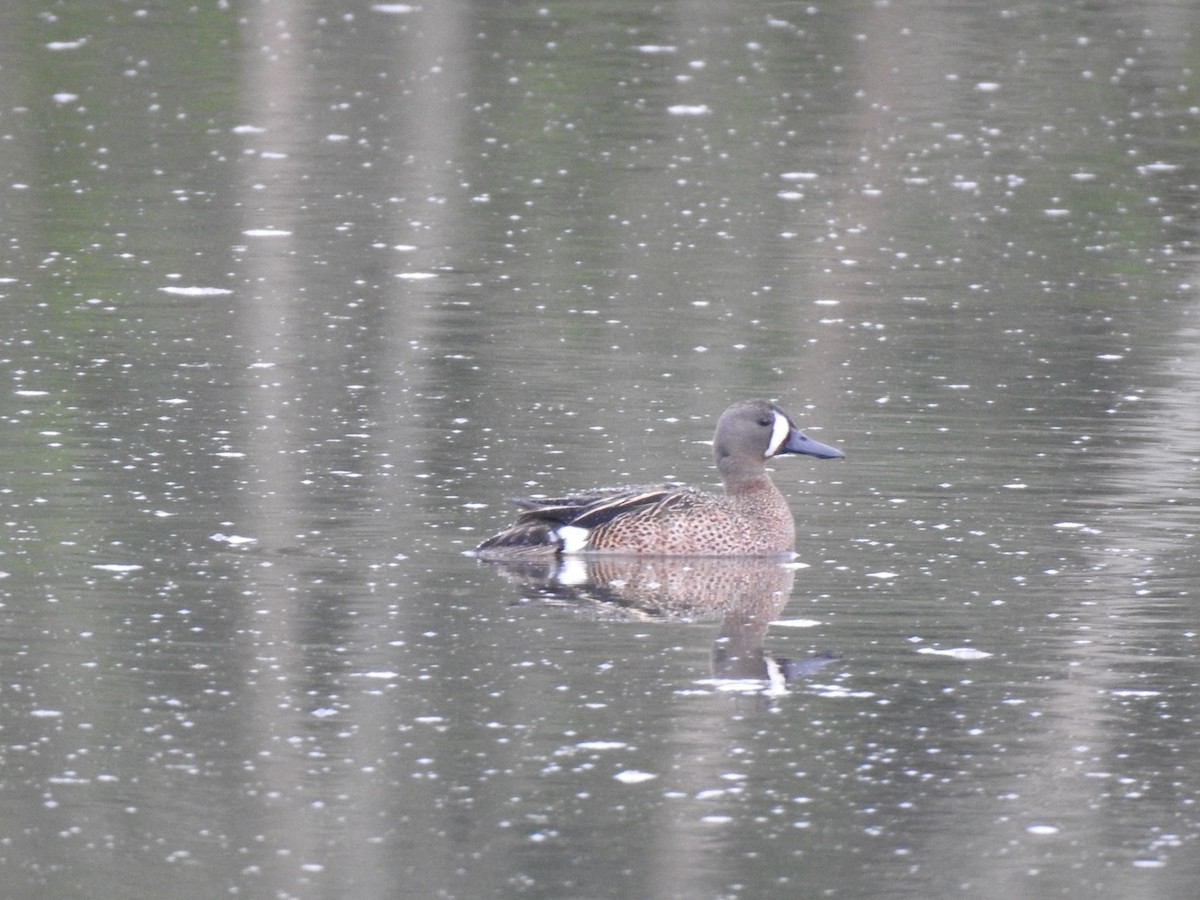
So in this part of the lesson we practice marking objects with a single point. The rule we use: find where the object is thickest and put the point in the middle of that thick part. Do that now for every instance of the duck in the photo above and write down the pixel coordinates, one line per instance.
(751, 517)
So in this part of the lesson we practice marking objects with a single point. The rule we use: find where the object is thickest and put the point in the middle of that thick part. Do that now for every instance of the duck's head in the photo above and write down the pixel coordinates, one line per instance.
(753, 431)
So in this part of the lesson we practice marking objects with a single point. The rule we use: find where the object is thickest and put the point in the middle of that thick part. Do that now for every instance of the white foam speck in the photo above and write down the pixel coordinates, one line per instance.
(234, 540)
(956, 652)
(633, 776)
(601, 745)
(196, 291)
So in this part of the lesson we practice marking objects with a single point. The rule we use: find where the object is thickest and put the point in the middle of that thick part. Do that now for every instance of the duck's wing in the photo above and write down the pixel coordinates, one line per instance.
(597, 507)
(539, 527)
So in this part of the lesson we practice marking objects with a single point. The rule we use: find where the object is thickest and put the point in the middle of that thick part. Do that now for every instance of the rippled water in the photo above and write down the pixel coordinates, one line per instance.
(295, 299)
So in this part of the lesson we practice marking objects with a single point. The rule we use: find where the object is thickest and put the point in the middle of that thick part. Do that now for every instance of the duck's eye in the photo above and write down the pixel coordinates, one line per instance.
(766, 421)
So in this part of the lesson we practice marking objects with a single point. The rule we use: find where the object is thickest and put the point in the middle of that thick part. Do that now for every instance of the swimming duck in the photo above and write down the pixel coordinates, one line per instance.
(751, 518)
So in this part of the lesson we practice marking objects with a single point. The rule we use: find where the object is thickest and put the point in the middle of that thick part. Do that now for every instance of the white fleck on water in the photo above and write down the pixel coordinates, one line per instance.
(956, 652)
(196, 291)
(234, 540)
(633, 776)
(601, 745)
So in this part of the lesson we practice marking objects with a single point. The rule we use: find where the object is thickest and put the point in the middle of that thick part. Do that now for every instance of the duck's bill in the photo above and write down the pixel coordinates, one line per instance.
(799, 442)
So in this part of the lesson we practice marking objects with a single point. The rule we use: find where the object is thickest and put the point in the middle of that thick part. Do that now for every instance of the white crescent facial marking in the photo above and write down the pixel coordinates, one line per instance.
(779, 433)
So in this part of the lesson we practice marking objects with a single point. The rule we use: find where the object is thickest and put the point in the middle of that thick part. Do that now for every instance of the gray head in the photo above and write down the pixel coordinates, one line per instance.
(752, 431)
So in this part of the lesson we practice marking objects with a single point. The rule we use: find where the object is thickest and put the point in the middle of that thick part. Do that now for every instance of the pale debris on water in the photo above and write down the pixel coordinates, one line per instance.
(956, 652)
(196, 291)
(233, 540)
(795, 623)
(633, 776)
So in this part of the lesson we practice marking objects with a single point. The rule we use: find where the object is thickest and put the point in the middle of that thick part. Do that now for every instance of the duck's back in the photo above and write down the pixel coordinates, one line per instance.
(663, 520)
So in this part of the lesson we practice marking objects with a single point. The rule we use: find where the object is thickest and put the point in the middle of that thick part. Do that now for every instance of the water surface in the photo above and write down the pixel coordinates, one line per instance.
(295, 299)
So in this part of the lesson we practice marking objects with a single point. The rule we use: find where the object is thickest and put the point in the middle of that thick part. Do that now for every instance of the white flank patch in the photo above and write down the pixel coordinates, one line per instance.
(574, 538)
(779, 433)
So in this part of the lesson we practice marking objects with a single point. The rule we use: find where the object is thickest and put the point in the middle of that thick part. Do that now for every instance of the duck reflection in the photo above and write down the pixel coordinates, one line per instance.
(748, 595)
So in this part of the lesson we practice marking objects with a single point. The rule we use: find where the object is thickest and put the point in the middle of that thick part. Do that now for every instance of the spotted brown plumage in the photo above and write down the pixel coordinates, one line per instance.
(751, 518)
